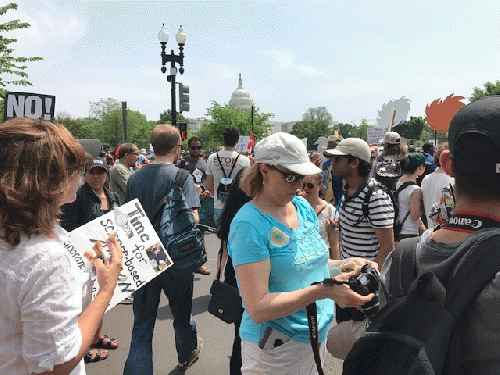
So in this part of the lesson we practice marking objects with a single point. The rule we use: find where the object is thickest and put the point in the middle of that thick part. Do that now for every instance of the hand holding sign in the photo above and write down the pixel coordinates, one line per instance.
(108, 271)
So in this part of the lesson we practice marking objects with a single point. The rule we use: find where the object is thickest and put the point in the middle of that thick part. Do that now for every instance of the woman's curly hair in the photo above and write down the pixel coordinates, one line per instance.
(37, 162)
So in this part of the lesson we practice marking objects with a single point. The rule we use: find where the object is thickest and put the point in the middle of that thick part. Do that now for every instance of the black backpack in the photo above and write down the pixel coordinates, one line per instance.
(177, 228)
(398, 224)
(416, 332)
(387, 172)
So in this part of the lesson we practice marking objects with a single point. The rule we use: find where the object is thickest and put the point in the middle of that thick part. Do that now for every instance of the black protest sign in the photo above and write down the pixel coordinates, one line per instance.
(29, 104)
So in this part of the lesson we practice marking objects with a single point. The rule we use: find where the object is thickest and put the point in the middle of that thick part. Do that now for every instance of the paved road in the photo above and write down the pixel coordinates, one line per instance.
(217, 335)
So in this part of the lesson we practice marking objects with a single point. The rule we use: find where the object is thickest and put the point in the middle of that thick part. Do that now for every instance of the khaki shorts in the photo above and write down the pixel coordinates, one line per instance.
(341, 337)
(291, 358)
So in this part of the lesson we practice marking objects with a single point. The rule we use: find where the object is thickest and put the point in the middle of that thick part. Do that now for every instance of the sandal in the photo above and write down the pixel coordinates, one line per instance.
(95, 356)
(203, 270)
(105, 343)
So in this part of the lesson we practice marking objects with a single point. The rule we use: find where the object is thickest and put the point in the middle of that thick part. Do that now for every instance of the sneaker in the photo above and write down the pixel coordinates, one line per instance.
(182, 367)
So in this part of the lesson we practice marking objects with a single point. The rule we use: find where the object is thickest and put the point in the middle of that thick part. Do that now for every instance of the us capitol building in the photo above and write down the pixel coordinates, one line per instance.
(241, 98)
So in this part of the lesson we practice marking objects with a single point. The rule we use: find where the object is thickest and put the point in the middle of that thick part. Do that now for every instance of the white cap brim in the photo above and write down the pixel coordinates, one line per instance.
(333, 152)
(304, 169)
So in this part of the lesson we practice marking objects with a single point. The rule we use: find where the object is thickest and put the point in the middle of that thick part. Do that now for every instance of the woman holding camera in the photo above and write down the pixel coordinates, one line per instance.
(47, 317)
(278, 253)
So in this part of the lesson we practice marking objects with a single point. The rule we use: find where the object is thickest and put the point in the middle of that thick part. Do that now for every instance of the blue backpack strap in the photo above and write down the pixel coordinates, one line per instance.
(180, 179)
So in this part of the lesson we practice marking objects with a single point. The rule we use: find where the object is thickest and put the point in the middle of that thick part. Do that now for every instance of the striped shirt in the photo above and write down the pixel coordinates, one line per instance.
(357, 233)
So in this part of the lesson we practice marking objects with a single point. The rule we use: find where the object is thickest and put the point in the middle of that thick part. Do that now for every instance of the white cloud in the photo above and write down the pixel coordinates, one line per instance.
(286, 61)
(50, 28)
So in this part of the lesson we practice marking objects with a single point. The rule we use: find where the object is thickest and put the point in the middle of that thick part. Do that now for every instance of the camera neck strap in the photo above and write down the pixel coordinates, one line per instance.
(312, 321)
(462, 221)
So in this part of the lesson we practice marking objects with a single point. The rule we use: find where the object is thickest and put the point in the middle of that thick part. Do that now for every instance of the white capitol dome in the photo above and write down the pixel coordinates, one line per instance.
(241, 97)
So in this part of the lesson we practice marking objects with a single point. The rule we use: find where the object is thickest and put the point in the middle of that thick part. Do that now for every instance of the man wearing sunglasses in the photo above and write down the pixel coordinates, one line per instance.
(369, 237)
(119, 174)
(197, 166)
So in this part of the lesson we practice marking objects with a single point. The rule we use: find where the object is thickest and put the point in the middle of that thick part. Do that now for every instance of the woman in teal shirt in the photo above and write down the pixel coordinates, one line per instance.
(278, 253)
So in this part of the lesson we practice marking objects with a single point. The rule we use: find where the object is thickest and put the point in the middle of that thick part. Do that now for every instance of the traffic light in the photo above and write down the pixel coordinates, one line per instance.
(183, 98)
(182, 126)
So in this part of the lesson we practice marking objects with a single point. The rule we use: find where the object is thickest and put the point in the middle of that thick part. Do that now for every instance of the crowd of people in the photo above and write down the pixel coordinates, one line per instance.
(288, 222)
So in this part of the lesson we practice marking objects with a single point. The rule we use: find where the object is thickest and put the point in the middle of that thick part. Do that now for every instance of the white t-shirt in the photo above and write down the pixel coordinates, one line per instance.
(324, 215)
(432, 188)
(41, 291)
(409, 226)
(227, 159)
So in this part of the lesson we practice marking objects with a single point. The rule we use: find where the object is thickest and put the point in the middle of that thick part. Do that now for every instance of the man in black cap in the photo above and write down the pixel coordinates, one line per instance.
(474, 161)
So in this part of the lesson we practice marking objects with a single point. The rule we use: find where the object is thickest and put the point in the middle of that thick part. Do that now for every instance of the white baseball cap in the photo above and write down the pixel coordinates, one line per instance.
(392, 138)
(351, 146)
(286, 150)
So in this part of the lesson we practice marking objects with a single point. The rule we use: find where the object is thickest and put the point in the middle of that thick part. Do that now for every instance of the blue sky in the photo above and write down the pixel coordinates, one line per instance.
(348, 56)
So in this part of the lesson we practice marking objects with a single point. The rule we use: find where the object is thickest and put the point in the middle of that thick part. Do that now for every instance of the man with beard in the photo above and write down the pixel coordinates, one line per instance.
(150, 184)
(197, 166)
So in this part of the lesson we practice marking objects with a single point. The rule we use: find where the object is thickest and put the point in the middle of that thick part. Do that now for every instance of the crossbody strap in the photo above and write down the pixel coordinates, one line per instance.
(232, 168)
(222, 259)
(396, 195)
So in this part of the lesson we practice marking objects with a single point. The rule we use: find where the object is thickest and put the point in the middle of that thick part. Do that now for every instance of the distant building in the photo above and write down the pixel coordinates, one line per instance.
(194, 125)
(241, 97)
(281, 126)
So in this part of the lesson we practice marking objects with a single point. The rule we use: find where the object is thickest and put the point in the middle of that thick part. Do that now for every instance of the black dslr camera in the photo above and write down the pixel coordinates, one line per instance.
(365, 283)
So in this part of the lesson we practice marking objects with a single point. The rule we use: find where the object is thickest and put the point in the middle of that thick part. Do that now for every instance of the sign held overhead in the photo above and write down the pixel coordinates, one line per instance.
(29, 104)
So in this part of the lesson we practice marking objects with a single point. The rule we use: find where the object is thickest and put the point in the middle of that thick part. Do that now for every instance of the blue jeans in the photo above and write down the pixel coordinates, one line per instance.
(177, 284)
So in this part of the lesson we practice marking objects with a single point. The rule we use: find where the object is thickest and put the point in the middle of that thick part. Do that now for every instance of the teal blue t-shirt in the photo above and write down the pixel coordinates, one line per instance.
(298, 258)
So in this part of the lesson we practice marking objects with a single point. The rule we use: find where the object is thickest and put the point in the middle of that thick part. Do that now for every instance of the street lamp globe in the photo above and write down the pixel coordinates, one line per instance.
(181, 37)
(162, 35)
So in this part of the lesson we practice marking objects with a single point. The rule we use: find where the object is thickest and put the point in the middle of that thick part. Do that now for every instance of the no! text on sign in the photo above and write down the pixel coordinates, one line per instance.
(29, 104)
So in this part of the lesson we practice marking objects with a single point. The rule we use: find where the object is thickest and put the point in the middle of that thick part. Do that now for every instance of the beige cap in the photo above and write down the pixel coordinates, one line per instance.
(392, 138)
(286, 150)
(351, 146)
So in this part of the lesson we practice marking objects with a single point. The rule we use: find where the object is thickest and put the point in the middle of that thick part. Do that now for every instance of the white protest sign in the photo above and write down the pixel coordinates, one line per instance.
(393, 113)
(374, 135)
(144, 256)
(242, 144)
(29, 104)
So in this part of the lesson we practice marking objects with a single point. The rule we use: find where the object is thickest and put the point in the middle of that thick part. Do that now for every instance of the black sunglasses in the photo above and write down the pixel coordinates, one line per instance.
(291, 178)
(195, 147)
(308, 185)
(338, 157)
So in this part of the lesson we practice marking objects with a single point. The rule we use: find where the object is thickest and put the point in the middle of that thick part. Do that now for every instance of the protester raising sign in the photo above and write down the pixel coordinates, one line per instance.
(144, 257)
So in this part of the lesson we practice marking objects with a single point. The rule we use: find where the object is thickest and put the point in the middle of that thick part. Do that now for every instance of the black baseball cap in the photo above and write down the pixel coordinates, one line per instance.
(97, 163)
(480, 117)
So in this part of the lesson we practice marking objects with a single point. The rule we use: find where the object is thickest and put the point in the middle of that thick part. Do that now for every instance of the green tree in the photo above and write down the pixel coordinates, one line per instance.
(489, 89)
(412, 128)
(110, 129)
(102, 107)
(361, 131)
(219, 117)
(315, 123)
(346, 130)
(80, 128)
(166, 117)
(12, 68)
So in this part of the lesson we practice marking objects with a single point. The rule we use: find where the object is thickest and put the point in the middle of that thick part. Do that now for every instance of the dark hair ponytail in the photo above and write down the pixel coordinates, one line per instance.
(407, 166)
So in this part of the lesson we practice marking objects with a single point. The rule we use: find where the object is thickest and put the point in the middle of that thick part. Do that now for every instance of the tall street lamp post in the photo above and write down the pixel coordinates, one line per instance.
(172, 58)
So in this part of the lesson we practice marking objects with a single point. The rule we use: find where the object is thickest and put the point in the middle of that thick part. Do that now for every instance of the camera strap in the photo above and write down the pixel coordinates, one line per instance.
(312, 320)
(469, 222)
